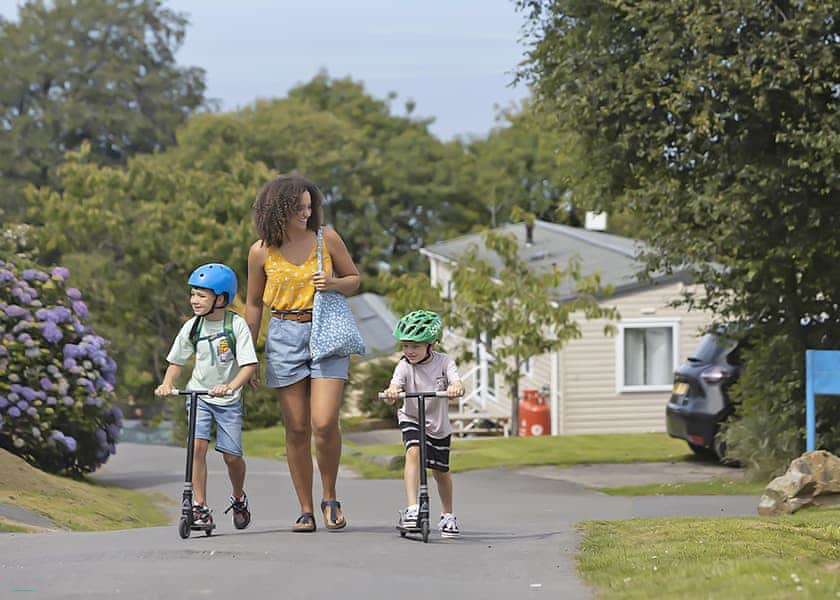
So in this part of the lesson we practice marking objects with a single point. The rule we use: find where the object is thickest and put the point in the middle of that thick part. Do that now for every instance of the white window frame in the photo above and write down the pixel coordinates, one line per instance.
(673, 323)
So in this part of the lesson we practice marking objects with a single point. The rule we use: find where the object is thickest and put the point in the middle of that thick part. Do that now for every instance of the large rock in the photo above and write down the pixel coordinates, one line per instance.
(813, 479)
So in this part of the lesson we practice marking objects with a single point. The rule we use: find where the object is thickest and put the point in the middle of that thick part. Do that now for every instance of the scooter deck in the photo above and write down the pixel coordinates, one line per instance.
(409, 528)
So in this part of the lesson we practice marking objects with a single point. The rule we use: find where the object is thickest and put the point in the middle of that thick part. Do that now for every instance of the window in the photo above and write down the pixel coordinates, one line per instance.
(647, 354)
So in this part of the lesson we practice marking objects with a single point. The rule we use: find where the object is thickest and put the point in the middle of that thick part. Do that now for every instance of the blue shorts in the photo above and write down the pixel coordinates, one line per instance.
(228, 425)
(287, 356)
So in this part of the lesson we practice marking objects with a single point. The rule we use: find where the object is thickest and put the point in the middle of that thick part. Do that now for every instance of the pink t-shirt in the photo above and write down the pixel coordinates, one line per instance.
(434, 375)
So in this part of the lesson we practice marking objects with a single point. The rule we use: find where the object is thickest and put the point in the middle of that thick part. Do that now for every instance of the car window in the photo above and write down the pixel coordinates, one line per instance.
(709, 349)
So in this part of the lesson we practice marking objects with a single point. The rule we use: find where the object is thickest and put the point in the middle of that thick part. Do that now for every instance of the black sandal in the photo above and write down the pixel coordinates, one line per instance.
(305, 523)
(333, 516)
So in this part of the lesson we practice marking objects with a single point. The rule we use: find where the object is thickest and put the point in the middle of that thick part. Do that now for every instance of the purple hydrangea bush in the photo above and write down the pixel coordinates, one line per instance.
(56, 378)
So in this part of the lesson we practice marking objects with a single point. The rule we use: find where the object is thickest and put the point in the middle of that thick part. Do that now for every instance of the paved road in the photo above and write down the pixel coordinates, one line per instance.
(518, 540)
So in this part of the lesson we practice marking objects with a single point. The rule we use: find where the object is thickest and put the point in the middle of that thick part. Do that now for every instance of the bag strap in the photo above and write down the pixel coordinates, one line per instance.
(320, 251)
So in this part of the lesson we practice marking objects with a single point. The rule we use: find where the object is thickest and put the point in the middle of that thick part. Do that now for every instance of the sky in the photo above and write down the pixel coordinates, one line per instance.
(454, 58)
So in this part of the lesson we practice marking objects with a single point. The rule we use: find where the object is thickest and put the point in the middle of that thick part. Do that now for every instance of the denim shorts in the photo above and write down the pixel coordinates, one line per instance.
(228, 425)
(287, 356)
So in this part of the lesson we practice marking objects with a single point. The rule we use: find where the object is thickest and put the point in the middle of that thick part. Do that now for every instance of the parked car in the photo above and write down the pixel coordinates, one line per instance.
(699, 400)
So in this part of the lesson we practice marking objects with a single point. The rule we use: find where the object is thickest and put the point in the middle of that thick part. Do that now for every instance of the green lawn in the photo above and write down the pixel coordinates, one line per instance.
(795, 556)
(487, 453)
(72, 504)
(717, 487)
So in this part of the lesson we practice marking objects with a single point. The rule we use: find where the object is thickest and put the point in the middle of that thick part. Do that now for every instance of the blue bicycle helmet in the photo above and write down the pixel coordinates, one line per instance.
(216, 277)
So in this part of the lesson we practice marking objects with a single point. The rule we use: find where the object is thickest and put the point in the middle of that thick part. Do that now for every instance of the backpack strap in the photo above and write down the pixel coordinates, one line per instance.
(227, 333)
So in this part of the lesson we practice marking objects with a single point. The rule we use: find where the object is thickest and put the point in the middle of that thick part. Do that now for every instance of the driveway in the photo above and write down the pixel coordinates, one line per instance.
(519, 540)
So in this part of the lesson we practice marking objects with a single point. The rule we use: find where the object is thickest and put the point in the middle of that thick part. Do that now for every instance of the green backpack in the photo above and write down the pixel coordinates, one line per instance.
(227, 332)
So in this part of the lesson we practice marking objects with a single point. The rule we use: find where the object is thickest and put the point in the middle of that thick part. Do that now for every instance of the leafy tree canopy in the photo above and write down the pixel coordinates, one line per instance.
(96, 71)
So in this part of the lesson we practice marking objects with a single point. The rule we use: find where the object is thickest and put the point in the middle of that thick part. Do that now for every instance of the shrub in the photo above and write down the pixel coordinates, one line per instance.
(57, 388)
(369, 378)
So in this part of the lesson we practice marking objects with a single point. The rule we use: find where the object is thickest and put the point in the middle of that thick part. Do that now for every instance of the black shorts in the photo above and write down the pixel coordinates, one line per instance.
(437, 449)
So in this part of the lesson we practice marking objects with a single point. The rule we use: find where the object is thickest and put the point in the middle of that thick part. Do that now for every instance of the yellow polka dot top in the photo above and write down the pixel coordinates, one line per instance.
(289, 286)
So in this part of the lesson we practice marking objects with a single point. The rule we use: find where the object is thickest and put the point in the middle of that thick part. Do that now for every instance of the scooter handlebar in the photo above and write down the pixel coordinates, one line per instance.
(175, 392)
(404, 395)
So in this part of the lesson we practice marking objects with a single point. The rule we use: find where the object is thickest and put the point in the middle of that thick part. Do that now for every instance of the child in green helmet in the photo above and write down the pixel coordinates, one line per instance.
(422, 369)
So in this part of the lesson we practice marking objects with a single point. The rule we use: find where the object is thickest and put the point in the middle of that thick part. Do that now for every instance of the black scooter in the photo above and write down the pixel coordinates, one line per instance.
(421, 526)
(187, 522)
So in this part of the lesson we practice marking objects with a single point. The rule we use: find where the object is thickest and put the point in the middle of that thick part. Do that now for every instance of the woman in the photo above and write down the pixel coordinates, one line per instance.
(283, 276)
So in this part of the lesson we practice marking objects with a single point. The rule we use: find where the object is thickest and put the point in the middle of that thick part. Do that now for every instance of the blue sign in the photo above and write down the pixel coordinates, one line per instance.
(822, 376)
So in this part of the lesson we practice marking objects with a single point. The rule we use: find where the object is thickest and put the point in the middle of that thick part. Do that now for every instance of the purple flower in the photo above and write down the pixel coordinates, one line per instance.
(60, 273)
(3, 351)
(28, 393)
(115, 412)
(52, 333)
(69, 363)
(70, 351)
(46, 384)
(6, 275)
(80, 308)
(60, 314)
(101, 437)
(34, 275)
(32, 353)
(74, 294)
(51, 401)
(13, 310)
(70, 443)
(32, 411)
(3, 402)
(13, 412)
(23, 405)
(68, 401)
(52, 370)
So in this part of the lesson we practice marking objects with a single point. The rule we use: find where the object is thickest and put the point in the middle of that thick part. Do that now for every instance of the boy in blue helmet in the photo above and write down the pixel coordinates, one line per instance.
(422, 369)
(225, 360)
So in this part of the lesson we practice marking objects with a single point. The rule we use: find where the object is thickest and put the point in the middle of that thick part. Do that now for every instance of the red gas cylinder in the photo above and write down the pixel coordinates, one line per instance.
(534, 415)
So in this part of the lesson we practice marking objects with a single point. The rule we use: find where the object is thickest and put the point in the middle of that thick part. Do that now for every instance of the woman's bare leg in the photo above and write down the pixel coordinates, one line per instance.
(294, 402)
(326, 396)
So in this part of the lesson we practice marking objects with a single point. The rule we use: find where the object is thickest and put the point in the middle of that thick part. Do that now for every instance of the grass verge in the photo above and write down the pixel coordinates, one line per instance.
(795, 556)
(716, 487)
(487, 453)
(73, 504)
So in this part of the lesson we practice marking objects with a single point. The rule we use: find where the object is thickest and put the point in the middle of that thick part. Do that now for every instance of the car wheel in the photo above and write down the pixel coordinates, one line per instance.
(721, 452)
(702, 451)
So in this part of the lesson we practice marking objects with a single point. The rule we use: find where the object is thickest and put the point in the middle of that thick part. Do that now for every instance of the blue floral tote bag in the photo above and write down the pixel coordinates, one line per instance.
(334, 330)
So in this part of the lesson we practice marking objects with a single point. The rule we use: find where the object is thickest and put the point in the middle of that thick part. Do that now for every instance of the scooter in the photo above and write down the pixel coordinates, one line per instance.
(421, 526)
(187, 521)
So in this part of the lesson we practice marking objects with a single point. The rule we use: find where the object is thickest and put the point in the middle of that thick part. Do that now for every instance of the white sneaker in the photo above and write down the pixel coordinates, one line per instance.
(408, 518)
(202, 516)
(448, 526)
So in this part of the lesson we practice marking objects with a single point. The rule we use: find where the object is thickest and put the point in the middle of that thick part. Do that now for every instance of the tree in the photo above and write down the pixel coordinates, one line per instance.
(518, 307)
(718, 124)
(390, 187)
(134, 234)
(96, 71)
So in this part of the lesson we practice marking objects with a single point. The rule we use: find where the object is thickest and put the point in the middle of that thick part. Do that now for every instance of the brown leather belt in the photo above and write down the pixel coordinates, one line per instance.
(301, 316)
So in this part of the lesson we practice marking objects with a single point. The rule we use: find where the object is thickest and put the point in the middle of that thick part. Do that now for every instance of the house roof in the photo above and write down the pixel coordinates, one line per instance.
(613, 257)
(376, 323)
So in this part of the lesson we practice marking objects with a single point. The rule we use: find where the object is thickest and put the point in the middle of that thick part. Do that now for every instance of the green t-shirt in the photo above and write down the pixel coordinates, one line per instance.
(215, 362)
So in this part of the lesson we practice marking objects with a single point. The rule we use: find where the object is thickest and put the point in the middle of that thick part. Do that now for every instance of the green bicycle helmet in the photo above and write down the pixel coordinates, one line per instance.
(422, 326)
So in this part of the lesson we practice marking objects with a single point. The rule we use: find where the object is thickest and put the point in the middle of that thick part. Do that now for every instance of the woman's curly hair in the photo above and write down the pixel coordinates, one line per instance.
(278, 200)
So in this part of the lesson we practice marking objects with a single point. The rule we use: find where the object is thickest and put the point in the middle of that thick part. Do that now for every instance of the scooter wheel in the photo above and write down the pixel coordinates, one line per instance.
(402, 533)
(424, 529)
(208, 532)
(184, 529)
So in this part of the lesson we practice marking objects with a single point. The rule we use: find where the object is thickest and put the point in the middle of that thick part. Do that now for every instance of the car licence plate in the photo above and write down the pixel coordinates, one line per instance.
(680, 389)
